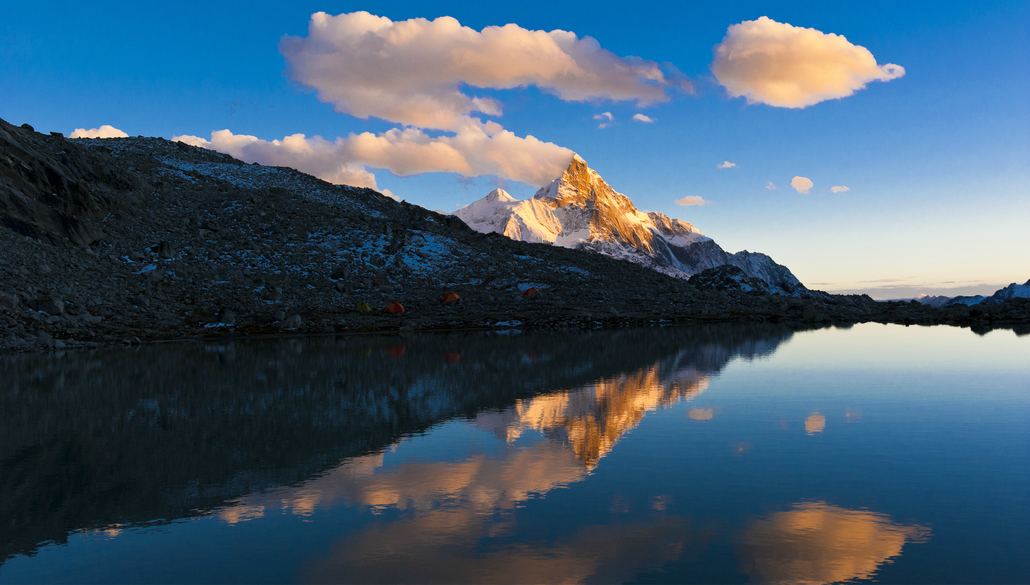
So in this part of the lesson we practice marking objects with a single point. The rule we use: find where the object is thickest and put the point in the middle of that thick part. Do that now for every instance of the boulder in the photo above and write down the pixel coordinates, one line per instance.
(49, 305)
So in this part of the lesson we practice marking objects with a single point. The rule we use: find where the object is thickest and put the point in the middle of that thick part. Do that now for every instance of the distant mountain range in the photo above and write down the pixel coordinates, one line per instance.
(580, 210)
(1012, 291)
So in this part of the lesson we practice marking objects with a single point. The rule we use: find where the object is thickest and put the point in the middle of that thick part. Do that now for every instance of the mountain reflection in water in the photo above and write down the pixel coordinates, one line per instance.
(657, 455)
(91, 441)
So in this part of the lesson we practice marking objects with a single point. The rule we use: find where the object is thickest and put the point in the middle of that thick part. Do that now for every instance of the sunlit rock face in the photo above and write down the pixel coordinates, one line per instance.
(581, 210)
(815, 543)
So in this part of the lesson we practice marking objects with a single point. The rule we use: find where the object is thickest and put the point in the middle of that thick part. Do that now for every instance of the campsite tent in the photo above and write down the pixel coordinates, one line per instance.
(530, 292)
(450, 297)
(362, 306)
(394, 307)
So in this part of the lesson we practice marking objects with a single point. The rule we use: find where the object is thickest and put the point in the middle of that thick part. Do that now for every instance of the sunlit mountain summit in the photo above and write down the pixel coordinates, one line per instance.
(581, 210)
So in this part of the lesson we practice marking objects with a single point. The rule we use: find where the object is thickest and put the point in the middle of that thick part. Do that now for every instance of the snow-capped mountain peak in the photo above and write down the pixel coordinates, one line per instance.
(499, 195)
(581, 210)
(529, 220)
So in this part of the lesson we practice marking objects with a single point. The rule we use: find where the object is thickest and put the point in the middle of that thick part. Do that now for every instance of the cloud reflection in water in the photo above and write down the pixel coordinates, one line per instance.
(815, 543)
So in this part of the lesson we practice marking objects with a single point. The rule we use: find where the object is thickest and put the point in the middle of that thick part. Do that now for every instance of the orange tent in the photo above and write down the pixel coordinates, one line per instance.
(394, 307)
(450, 297)
(530, 292)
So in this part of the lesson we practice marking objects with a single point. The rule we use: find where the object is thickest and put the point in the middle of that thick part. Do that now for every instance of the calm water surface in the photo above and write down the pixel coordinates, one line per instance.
(714, 454)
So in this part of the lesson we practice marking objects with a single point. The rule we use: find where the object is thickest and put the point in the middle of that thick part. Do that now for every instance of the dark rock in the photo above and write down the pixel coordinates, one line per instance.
(293, 322)
(10, 301)
(49, 305)
(165, 250)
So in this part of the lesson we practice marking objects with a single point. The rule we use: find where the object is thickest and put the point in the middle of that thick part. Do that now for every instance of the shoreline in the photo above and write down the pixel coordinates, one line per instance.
(401, 329)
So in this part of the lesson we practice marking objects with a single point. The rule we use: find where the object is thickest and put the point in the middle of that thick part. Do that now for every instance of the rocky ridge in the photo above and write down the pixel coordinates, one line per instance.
(142, 239)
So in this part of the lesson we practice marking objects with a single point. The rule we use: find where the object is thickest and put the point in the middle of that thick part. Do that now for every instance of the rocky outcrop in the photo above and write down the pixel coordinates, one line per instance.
(54, 190)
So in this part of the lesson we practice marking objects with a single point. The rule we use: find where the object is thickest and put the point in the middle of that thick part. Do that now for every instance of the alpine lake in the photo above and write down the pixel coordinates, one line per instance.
(711, 454)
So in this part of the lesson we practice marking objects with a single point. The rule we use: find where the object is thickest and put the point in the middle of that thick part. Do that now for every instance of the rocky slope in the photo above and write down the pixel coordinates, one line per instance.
(136, 239)
(580, 210)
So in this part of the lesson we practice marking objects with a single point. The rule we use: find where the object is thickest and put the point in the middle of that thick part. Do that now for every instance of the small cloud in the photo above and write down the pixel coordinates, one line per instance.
(105, 131)
(643, 118)
(770, 185)
(840, 189)
(726, 165)
(390, 194)
(692, 200)
(607, 117)
(801, 184)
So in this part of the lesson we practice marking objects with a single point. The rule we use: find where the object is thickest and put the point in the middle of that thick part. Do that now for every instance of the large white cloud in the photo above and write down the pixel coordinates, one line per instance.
(413, 72)
(475, 149)
(105, 131)
(788, 66)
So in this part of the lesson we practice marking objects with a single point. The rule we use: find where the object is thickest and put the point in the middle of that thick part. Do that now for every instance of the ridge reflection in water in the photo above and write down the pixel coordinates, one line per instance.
(462, 458)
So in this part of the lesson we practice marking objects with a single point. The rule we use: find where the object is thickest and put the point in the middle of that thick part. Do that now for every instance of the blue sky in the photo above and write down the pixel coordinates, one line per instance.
(937, 161)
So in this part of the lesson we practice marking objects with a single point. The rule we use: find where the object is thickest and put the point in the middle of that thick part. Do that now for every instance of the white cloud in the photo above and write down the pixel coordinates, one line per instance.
(840, 189)
(692, 200)
(770, 185)
(726, 165)
(390, 194)
(643, 118)
(801, 184)
(476, 148)
(105, 131)
(606, 117)
(413, 72)
(315, 156)
(787, 66)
